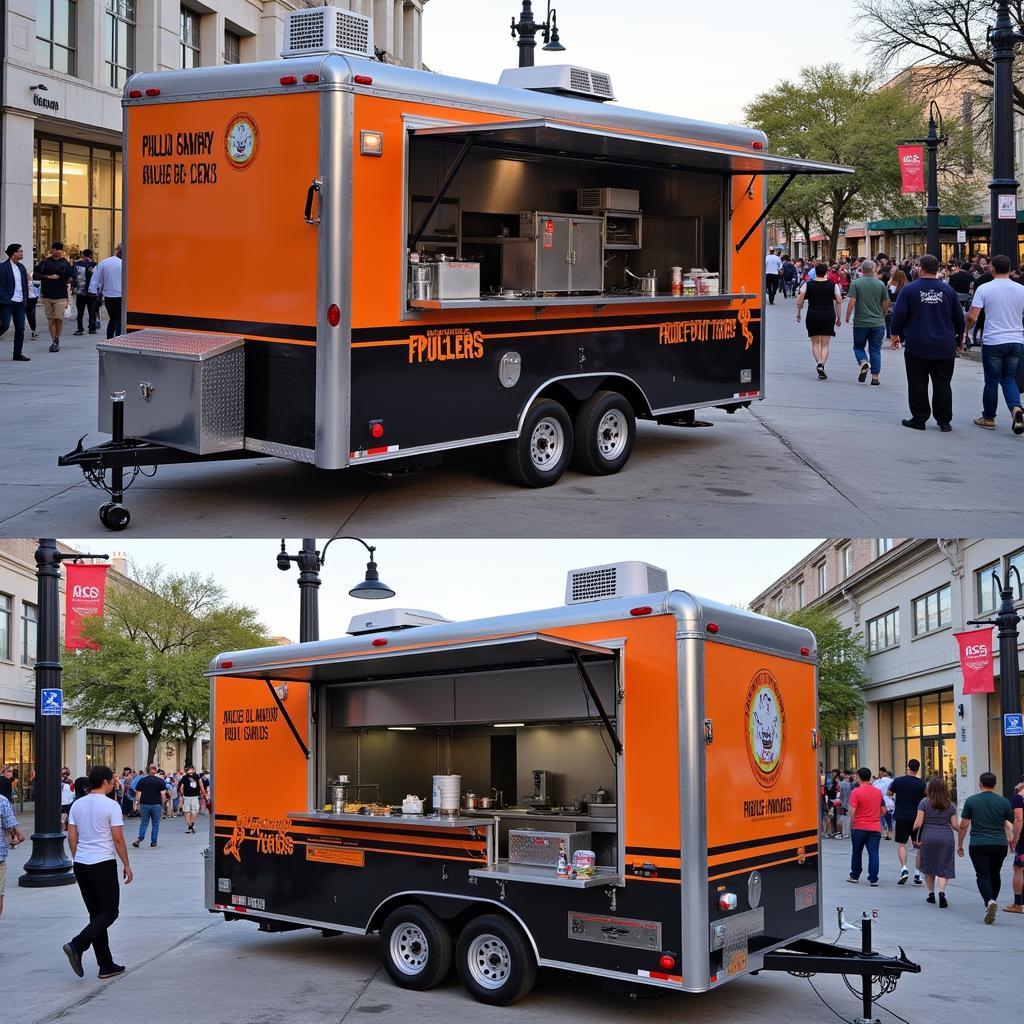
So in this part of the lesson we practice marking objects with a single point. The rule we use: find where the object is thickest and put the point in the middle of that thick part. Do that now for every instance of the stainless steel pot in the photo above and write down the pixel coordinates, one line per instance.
(648, 283)
(484, 803)
(422, 280)
(470, 801)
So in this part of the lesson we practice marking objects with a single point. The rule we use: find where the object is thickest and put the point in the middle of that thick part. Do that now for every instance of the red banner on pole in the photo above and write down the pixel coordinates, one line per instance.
(912, 169)
(86, 586)
(976, 660)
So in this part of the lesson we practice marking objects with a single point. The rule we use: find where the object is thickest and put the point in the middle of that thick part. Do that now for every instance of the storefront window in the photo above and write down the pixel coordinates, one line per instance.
(6, 603)
(120, 41)
(920, 727)
(29, 634)
(56, 24)
(16, 750)
(188, 38)
(99, 749)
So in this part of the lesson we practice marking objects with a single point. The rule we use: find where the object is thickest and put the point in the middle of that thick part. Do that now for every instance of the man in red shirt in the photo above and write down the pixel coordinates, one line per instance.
(866, 826)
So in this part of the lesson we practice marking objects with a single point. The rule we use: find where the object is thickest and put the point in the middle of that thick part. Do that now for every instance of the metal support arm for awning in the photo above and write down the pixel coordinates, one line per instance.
(768, 209)
(287, 718)
(588, 683)
(442, 191)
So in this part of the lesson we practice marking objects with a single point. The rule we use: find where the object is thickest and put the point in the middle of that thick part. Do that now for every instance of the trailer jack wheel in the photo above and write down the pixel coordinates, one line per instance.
(114, 516)
(416, 948)
(605, 433)
(495, 961)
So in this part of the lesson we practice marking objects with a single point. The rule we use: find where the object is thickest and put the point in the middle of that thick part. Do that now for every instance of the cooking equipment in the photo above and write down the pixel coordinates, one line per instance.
(542, 849)
(554, 252)
(412, 804)
(456, 279)
(648, 283)
(422, 280)
(588, 199)
(445, 794)
(543, 789)
(470, 801)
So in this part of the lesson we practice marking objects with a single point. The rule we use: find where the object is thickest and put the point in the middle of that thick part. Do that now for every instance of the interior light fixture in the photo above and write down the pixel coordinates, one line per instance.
(509, 725)
(401, 728)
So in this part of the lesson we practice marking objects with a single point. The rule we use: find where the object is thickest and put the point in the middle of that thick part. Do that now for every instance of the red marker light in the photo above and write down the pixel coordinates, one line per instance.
(667, 962)
(380, 642)
(288, 79)
(363, 80)
(152, 92)
(135, 93)
(311, 78)
(226, 664)
(377, 430)
(805, 651)
(712, 627)
(644, 609)
(333, 315)
(757, 145)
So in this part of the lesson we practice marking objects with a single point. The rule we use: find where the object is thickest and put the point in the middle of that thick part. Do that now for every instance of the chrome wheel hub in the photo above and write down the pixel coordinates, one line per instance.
(547, 443)
(409, 949)
(490, 962)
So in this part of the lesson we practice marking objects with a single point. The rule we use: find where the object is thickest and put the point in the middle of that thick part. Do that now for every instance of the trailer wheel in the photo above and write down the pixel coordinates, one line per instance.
(494, 961)
(605, 433)
(416, 948)
(540, 454)
(114, 516)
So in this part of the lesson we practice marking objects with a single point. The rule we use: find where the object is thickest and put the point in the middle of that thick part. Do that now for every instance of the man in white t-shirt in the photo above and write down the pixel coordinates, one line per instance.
(1002, 344)
(772, 270)
(882, 784)
(96, 838)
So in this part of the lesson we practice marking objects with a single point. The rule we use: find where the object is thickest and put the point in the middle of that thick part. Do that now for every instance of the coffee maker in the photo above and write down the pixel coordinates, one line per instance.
(543, 790)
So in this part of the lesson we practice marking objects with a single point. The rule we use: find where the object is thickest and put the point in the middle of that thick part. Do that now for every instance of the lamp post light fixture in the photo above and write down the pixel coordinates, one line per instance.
(526, 28)
(310, 561)
(48, 865)
(1003, 37)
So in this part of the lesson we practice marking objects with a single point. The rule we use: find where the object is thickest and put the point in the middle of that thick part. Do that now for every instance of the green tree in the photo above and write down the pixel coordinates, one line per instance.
(156, 639)
(837, 116)
(841, 676)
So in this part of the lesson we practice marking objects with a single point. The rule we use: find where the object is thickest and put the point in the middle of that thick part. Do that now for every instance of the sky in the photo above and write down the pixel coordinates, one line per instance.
(459, 579)
(690, 58)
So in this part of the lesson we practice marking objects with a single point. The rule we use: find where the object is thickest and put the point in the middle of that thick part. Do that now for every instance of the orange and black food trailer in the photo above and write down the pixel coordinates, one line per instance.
(624, 786)
(348, 263)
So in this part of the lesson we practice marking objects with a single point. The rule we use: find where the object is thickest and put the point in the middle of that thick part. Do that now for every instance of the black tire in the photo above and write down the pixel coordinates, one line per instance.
(415, 948)
(118, 517)
(104, 509)
(494, 960)
(541, 453)
(605, 431)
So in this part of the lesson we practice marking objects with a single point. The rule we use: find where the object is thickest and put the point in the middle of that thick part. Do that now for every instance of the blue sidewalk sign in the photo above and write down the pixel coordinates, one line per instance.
(1013, 725)
(51, 702)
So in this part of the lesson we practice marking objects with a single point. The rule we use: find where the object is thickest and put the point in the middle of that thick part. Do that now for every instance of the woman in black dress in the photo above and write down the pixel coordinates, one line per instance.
(824, 314)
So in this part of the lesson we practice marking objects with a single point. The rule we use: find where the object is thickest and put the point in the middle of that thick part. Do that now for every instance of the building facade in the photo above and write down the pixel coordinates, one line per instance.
(115, 744)
(907, 598)
(64, 70)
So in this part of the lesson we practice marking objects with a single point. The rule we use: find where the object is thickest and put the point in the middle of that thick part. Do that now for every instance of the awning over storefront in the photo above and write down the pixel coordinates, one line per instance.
(918, 223)
(548, 136)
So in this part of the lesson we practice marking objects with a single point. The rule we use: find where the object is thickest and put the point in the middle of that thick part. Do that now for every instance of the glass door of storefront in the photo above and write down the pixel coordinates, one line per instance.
(16, 750)
(920, 727)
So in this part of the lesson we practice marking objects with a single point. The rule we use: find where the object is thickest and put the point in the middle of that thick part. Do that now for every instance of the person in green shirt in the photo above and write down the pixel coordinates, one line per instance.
(868, 303)
(989, 817)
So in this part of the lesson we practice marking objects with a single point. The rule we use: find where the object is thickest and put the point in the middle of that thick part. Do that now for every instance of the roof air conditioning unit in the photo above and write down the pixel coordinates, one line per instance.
(564, 79)
(621, 579)
(388, 620)
(317, 30)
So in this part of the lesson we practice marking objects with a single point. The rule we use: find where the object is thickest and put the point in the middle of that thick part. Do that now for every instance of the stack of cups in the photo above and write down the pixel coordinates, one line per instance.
(446, 792)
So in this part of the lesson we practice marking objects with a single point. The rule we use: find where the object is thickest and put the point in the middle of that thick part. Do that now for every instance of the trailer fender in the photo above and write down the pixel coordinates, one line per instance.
(456, 909)
(572, 391)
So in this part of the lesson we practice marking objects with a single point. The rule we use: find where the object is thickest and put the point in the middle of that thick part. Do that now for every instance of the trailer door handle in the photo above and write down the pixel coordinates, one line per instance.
(314, 189)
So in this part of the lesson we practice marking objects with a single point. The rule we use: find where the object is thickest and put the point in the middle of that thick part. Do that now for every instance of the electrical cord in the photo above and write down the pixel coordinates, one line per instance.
(826, 1005)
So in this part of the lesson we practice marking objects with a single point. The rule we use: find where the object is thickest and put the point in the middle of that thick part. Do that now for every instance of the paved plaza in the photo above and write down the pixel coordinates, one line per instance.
(815, 457)
(186, 966)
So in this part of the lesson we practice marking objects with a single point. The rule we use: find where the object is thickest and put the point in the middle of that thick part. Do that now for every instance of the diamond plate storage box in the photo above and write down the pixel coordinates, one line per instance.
(541, 849)
(183, 390)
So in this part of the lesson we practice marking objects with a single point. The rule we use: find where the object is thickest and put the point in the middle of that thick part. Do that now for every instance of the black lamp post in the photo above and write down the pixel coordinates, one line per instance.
(310, 561)
(934, 139)
(1003, 37)
(526, 28)
(48, 865)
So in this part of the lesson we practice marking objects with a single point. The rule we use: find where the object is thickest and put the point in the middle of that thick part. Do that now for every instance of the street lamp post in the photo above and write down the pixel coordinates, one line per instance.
(527, 28)
(48, 865)
(931, 142)
(1003, 37)
(1009, 679)
(310, 561)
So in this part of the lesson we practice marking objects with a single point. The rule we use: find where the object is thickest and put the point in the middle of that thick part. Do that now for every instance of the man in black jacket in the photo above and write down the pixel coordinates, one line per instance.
(56, 276)
(13, 297)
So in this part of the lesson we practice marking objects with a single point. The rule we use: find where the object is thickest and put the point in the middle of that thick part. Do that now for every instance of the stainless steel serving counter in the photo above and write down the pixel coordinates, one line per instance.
(431, 820)
(593, 824)
(597, 301)
(505, 872)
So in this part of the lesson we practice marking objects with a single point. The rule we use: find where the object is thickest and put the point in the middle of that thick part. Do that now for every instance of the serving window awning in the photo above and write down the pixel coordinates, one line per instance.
(541, 136)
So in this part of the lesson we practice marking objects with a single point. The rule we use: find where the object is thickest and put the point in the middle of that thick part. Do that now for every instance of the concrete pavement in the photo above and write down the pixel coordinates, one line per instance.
(186, 965)
(815, 456)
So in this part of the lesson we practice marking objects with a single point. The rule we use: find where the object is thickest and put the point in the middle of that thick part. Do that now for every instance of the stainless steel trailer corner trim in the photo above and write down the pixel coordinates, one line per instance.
(280, 451)
(247, 914)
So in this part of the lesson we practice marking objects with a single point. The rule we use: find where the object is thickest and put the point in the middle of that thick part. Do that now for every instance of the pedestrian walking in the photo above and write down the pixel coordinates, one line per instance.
(772, 272)
(989, 818)
(866, 808)
(150, 794)
(191, 789)
(14, 294)
(84, 302)
(845, 789)
(868, 303)
(10, 836)
(928, 321)
(789, 277)
(169, 788)
(7, 782)
(907, 792)
(896, 283)
(106, 286)
(67, 796)
(1002, 345)
(55, 276)
(96, 839)
(1017, 803)
(824, 314)
(882, 784)
(936, 826)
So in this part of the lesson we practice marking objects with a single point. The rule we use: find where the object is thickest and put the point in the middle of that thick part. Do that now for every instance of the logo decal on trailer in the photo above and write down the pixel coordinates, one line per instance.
(766, 727)
(241, 141)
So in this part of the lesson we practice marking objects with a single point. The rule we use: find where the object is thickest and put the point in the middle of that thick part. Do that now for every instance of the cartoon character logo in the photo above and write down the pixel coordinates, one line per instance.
(241, 141)
(766, 728)
(744, 318)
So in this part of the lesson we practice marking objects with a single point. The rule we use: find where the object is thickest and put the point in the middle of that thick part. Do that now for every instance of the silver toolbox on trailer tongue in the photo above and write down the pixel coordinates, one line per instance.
(180, 389)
